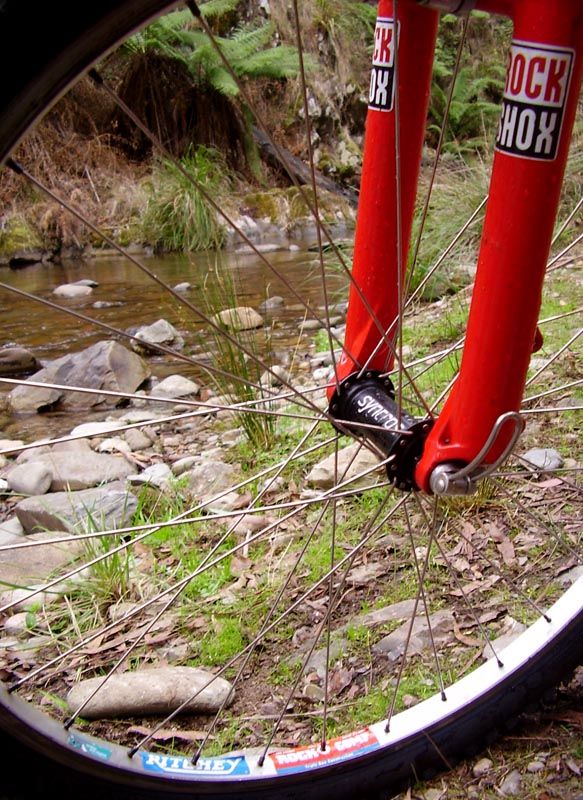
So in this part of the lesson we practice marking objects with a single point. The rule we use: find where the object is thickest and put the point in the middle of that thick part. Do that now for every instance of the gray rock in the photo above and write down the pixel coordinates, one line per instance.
(209, 478)
(33, 565)
(241, 318)
(10, 527)
(543, 458)
(105, 365)
(512, 784)
(151, 691)
(569, 577)
(482, 767)
(277, 376)
(73, 466)
(11, 445)
(322, 374)
(352, 461)
(32, 478)
(91, 509)
(21, 600)
(114, 444)
(311, 325)
(440, 628)
(271, 303)
(511, 631)
(175, 386)
(17, 624)
(85, 282)
(89, 429)
(139, 439)
(106, 304)
(182, 287)
(160, 332)
(154, 475)
(184, 464)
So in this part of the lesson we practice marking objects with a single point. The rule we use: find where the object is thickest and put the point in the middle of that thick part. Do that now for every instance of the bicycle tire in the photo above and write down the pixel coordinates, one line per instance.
(540, 658)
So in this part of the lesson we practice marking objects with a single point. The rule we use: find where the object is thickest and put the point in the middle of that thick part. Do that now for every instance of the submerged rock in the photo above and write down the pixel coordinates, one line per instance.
(241, 318)
(17, 361)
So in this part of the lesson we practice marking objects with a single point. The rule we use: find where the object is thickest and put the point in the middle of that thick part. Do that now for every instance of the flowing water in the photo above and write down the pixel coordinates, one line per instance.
(126, 298)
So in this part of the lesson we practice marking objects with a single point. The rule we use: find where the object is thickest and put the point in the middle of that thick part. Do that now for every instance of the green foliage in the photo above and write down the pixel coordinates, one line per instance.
(248, 49)
(241, 380)
(476, 93)
(456, 196)
(177, 216)
(223, 642)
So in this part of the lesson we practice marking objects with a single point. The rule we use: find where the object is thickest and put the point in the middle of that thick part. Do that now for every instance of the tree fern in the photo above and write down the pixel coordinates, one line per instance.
(213, 9)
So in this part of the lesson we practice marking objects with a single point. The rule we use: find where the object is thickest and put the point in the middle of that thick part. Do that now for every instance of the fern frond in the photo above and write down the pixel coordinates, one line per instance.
(212, 9)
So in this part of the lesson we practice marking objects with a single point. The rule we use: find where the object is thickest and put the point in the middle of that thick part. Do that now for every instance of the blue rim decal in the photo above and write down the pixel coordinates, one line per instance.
(182, 765)
(89, 746)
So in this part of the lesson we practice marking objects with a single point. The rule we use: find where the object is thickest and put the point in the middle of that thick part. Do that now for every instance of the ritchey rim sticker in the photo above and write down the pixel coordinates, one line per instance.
(219, 767)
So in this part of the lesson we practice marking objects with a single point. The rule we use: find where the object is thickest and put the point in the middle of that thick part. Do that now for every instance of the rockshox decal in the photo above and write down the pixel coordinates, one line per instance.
(382, 91)
(310, 756)
(537, 83)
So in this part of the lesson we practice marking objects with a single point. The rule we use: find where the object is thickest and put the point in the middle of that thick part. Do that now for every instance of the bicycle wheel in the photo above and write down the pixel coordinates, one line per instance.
(348, 618)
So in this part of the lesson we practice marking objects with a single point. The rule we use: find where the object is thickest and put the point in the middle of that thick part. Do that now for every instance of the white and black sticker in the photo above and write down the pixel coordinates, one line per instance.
(537, 84)
(382, 89)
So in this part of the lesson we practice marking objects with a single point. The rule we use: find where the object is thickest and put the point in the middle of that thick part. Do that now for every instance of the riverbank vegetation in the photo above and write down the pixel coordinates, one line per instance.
(211, 123)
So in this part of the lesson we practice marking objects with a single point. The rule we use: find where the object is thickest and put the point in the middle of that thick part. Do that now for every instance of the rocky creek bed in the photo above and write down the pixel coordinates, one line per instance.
(122, 465)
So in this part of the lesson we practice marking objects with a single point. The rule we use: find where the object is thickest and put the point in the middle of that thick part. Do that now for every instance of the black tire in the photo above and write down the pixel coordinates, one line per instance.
(538, 660)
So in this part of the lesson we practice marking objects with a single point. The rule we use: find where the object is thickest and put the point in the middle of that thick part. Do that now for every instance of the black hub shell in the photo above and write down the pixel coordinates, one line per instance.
(364, 405)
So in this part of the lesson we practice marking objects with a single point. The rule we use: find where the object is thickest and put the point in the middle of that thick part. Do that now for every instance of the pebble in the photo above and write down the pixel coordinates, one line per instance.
(30, 479)
(114, 445)
(17, 624)
(154, 475)
(543, 458)
(184, 464)
(512, 784)
(137, 439)
(482, 767)
(535, 766)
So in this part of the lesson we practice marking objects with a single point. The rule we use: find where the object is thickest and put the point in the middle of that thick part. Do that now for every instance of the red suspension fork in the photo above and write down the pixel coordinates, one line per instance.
(375, 266)
(542, 87)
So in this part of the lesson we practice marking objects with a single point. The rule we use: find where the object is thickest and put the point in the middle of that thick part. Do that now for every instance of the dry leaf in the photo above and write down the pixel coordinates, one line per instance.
(506, 550)
(339, 679)
(467, 640)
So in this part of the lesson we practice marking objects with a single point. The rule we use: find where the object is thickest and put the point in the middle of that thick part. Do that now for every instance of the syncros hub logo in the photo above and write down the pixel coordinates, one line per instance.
(381, 90)
(537, 83)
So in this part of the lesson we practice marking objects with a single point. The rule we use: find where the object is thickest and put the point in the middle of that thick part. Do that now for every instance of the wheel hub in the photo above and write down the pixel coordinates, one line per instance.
(364, 405)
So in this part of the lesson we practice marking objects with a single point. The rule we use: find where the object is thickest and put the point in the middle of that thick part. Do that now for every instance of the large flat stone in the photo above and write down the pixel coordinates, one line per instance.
(102, 508)
(150, 691)
(74, 465)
